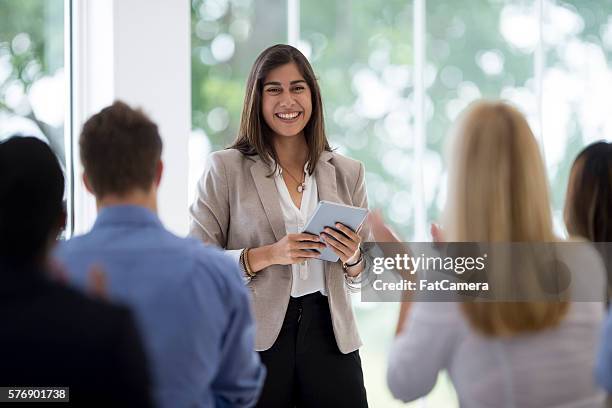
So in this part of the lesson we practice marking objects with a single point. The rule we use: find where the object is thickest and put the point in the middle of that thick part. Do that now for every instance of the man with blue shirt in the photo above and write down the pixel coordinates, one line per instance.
(189, 300)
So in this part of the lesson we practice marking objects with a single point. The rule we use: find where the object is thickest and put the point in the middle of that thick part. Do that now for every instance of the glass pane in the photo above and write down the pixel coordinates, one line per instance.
(226, 37)
(362, 53)
(32, 83)
(475, 49)
(577, 85)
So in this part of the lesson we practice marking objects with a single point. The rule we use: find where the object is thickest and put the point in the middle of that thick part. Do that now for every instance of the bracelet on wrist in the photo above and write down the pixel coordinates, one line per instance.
(350, 265)
(244, 263)
(247, 265)
(241, 263)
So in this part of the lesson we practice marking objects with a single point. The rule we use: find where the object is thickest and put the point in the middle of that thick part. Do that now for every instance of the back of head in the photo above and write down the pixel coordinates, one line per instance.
(498, 192)
(120, 148)
(31, 199)
(588, 204)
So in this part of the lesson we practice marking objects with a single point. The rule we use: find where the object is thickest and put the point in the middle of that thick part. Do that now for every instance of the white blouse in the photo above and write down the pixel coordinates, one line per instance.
(309, 276)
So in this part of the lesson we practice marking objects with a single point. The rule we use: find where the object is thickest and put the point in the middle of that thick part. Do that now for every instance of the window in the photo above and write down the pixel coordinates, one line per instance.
(474, 52)
(33, 82)
(225, 42)
(576, 83)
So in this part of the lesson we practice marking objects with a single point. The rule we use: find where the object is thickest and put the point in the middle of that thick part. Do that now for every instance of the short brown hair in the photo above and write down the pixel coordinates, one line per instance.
(120, 148)
(254, 137)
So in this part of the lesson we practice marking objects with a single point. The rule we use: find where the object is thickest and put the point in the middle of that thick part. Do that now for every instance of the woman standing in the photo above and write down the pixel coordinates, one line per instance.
(254, 200)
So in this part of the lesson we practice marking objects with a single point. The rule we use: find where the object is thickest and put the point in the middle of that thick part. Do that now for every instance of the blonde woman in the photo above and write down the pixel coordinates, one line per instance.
(498, 354)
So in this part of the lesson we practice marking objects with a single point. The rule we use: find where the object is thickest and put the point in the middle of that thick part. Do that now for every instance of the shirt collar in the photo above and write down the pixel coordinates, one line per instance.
(127, 214)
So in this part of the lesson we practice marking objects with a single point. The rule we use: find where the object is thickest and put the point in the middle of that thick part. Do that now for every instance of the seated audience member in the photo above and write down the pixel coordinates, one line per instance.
(188, 298)
(51, 335)
(588, 214)
(521, 354)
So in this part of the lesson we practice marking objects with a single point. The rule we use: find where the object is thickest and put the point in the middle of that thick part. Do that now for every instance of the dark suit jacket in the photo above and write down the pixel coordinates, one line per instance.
(50, 335)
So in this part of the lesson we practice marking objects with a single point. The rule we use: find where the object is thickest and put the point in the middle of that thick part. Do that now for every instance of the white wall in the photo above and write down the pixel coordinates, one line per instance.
(137, 51)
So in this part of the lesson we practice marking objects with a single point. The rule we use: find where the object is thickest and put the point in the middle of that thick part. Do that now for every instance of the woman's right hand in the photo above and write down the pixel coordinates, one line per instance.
(295, 248)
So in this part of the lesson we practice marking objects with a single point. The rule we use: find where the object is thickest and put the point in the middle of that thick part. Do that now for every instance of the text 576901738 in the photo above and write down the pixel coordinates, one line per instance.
(31, 394)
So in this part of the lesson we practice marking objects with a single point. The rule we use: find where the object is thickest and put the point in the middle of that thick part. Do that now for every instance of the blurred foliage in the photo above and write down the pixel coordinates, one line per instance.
(454, 41)
(351, 38)
(253, 26)
(595, 15)
(357, 46)
(31, 48)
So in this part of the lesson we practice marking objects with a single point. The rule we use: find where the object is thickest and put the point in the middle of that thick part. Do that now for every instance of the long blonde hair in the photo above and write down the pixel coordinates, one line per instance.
(498, 193)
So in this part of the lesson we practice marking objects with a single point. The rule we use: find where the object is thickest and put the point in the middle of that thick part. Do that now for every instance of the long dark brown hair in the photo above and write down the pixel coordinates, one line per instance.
(588, 204)
(255, 136)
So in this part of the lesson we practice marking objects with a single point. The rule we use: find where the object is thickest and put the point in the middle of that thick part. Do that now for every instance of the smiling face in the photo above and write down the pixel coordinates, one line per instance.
(286, 101)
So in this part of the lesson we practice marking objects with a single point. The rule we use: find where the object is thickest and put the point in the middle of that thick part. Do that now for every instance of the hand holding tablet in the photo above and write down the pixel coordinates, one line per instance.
(337, 224)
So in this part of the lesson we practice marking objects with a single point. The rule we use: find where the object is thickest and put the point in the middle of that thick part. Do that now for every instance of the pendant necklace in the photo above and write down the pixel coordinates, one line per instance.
(301, 185)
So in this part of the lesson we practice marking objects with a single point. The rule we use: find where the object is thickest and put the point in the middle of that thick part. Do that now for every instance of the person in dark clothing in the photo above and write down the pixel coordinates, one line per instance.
(51, 335)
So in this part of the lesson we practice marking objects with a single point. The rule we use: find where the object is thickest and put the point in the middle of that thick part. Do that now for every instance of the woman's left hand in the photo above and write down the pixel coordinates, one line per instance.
(344, 243)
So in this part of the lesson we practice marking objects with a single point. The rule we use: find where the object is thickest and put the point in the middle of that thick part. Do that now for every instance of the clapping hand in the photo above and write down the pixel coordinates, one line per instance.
(437, 234)
(96, 278)
(381, 231)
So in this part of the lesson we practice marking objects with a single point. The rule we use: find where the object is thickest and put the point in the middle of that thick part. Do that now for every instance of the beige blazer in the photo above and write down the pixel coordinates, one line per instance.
(238, 206)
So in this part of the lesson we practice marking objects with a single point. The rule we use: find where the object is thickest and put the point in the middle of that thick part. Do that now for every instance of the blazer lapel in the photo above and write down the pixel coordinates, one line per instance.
(266, 189)
(325, 174)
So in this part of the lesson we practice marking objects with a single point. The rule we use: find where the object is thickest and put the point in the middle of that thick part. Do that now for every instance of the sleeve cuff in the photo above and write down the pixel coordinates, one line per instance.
(235, 255)
(355, 283)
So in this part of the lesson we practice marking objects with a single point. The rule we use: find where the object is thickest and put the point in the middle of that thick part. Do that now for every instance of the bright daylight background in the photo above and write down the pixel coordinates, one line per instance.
(387, 103)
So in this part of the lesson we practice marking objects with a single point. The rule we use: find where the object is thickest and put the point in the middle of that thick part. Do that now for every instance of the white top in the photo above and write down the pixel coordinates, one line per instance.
(552, 368)
(308, 277)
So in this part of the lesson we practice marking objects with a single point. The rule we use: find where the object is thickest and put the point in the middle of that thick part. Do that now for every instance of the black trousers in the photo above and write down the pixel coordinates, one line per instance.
(305, 367)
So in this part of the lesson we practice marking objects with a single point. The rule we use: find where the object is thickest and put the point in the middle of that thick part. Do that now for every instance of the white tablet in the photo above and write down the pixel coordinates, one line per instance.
(327, 214)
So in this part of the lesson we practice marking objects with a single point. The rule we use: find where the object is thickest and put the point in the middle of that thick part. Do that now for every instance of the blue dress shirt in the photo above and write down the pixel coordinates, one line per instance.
(190, 303)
